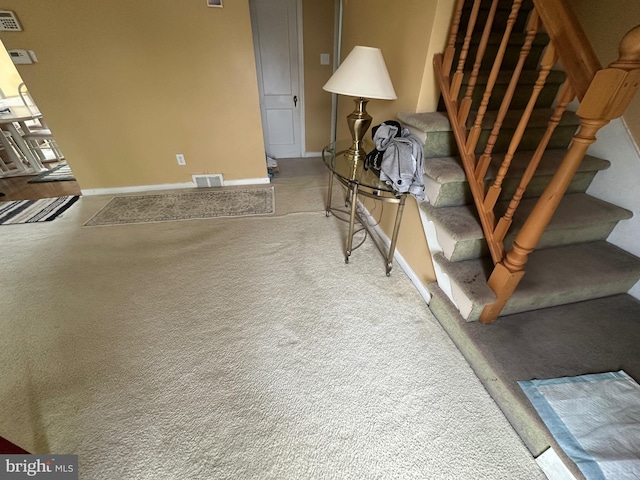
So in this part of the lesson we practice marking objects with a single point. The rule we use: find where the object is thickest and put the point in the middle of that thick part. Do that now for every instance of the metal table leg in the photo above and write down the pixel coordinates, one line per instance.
(352, 218)
(394, 236)
(329, 194)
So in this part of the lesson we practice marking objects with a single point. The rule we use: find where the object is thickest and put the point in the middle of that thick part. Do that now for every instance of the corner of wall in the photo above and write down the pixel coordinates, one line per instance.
(429, 91)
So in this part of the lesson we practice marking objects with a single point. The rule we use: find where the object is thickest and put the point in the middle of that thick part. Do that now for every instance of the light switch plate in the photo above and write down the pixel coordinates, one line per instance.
(325, 59)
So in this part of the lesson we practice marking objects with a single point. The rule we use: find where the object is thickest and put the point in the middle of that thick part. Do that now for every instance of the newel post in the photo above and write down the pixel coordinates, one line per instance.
(607, 97)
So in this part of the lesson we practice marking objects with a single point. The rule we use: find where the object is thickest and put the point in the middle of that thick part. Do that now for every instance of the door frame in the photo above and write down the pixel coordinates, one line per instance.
(299, 19)
(337, 48)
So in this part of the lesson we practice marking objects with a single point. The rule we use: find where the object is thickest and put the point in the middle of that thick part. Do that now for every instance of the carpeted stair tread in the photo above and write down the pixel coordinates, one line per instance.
(426, 121)
(502, 14)
(579, 218)
(521, 95)
(504, 77)
(449, 169)
(434, 130)
(495, 39)
(438, 121)
(554, 276)
(470, 277)
(539, 118)
(546, 343)
(574, 273)
(446, 183)
(511, 53)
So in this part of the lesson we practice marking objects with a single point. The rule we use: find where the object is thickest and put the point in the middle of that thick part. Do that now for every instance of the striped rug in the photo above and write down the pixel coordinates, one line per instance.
(34, 211)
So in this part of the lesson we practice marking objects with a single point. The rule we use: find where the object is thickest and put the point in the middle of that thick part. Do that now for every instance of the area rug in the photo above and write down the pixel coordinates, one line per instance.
(596, 420)
(34, 211)
(185, 206)
(61, 173)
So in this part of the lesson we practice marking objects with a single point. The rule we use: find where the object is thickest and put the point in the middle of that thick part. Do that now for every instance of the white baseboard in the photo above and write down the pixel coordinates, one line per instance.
(136, 189)
(312, 154)
(444, 281)
(247, 181)
(169, 186)
(397, 257)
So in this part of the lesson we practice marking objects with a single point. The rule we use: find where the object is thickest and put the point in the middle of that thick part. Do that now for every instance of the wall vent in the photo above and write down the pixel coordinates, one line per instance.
(213, 180)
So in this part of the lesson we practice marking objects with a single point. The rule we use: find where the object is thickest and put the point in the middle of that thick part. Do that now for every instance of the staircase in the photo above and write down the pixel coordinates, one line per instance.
(570, 313)
(573, 262)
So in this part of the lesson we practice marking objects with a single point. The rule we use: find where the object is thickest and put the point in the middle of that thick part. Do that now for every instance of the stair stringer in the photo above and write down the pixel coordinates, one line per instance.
(467, 307)
(430, 233)
(439, 243)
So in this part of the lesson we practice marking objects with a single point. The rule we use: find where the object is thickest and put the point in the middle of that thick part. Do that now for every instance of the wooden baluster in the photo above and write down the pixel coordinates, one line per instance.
(450, 51)
(485, 159)
(460, 133)
(606, 98)
(508, 273)
(464, 51)
(474, 134)
(565, 96)
(548, 60)
(465, 104)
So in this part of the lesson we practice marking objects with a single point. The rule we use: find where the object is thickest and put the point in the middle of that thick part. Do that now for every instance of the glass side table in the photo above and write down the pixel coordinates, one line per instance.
(361, 182)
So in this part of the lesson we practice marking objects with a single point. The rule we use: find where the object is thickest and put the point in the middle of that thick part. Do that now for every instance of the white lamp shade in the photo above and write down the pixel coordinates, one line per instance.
(362, 74)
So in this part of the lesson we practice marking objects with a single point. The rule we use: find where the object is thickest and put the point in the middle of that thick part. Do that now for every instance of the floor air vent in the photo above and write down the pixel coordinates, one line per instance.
(214, 180)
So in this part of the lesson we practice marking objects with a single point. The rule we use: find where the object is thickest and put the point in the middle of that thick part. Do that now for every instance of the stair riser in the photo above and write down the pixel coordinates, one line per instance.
(470, 249)
(457, 194)
(499, 22)
(536, 303)
(501, 15)
(520, 98)
(601, 290)
(510, 59)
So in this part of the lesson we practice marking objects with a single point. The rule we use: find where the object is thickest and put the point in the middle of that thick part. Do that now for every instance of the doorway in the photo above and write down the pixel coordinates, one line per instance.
(276, 26)
(17, 185)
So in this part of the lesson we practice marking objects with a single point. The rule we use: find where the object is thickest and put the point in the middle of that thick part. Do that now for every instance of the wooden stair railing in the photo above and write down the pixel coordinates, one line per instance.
(604, 94)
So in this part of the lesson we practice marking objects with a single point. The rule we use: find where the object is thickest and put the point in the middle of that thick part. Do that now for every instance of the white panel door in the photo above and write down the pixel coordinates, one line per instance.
(275, 37)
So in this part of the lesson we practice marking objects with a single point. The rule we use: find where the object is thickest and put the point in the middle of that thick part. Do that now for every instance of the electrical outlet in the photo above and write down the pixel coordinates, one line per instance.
(180, 159)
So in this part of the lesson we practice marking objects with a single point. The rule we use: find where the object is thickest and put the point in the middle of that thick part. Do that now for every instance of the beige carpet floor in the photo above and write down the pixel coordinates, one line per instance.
(235, 348)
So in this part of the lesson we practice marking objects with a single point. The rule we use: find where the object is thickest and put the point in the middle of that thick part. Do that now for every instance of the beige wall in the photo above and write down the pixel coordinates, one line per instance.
(318, 38)
(605, 23)
(125, 85)
(402, 31)
(405, 33)
(439, 29)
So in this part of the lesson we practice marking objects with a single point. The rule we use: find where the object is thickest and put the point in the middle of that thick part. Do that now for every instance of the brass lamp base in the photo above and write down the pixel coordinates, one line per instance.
(358, 121)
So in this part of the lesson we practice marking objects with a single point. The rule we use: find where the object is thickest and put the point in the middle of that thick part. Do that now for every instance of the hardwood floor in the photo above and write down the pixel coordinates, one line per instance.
(18, 188)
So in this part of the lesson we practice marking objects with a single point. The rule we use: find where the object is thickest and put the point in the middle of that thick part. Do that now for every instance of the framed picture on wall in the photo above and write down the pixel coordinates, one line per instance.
(214, 3)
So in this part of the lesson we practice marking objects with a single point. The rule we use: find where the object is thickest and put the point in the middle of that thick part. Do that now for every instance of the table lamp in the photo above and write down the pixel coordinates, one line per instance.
(363, 74)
